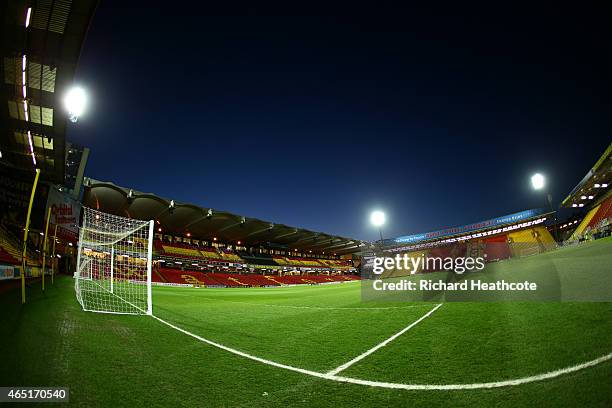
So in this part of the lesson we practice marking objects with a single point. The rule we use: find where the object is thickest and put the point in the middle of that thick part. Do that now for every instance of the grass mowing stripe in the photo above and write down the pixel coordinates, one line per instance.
(308, 307)
(382, 344)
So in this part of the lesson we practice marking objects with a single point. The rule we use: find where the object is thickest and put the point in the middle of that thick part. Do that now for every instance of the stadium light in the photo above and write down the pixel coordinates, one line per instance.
(75, 102)
(537, 181)
(377, 218)
(28, 15)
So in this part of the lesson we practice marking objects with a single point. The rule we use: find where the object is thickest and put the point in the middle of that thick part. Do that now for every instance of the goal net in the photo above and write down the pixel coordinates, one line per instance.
(113, 272)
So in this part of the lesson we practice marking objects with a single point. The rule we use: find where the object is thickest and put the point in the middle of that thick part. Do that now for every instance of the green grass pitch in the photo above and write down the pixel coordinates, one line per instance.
(124, 360)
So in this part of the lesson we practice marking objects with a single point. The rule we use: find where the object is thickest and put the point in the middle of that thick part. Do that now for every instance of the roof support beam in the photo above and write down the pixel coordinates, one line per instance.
(308, 238)
(323, 244)
(259, 231)
(232, 225)
(295, 231)
(343, 244)
(349, 250)
(208, 214)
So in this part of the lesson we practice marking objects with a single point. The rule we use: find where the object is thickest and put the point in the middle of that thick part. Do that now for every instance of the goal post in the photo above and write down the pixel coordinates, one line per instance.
(114, 264)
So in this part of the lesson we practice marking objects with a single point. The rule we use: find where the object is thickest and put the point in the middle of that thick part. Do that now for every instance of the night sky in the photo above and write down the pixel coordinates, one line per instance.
(313, 117)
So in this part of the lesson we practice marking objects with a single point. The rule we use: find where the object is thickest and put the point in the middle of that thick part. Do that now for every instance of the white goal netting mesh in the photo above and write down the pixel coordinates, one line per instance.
(114, 264)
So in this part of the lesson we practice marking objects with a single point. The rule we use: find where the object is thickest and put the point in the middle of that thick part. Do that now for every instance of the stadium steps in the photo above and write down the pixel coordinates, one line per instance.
(237, 281)
(159, 276)
(544, 238)
(271, 279)
(523, 243)
(585, 222)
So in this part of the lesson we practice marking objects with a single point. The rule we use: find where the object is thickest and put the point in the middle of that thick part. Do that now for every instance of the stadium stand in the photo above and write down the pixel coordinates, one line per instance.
(10, 252)
(593, 194)
(341, 264)
(598, 219)
(496, 248)
(261, 259)
(165, 275)
(530, 241)
(577, 234)
(305, 262)
(516, 235)
(230, 256)
(188, 277)
(7, 258)
(603, 214)
(210, 253)
(157, 277)
(182, 250)
(187, 251)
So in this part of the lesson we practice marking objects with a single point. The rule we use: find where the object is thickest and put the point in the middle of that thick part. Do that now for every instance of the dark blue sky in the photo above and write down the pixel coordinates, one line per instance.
(438, 116)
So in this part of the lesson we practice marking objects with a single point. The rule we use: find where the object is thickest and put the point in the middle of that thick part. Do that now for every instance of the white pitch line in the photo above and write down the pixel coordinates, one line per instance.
(382, 344)
(411, 387)
(476, 386)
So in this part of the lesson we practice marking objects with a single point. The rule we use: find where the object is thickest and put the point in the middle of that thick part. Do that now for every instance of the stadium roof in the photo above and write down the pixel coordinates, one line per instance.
(207, 223)
(594, 186)
(44, 54)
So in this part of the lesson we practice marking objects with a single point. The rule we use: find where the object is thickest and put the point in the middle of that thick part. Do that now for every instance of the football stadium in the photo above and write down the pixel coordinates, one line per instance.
(114, 295)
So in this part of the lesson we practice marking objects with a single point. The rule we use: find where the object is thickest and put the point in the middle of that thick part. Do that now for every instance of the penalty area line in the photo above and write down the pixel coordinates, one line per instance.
(383, 343)
(382, 384)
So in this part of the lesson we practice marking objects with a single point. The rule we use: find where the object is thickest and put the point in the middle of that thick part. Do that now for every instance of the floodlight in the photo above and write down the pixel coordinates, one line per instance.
(75, 102)
(28, 15)
(537, 181)
(377, 218)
